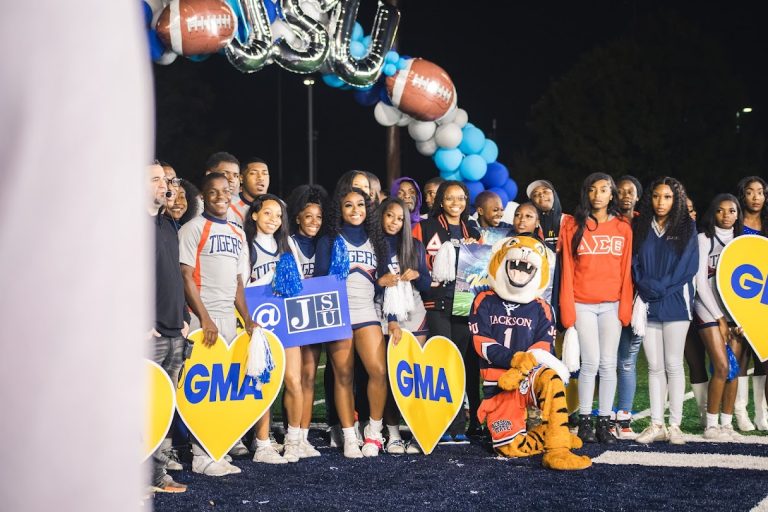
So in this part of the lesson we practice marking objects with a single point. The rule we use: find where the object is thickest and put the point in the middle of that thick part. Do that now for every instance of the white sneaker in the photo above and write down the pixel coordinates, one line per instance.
(172, 462)
(653, 433)
(239, 449)
(233, 470)
(352, 448)
(277, 446)
(336, 435)
(675, 435)
(268, 455)
(359, 432)
(715, 434)
(623, 429)
(761, 424)
(395, 447)
(413, 448)
(292, 451)
(729, 434)
(374, 443)
(307, 450)
(742, 420)
(205, 465)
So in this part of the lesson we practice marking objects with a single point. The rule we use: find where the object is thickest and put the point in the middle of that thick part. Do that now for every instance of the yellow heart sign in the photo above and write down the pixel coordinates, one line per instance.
(742, 280)
(428, 385)
(216, 399)
(160, 403)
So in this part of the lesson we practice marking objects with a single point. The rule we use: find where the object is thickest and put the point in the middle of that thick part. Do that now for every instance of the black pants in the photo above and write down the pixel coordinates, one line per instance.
(456, 329)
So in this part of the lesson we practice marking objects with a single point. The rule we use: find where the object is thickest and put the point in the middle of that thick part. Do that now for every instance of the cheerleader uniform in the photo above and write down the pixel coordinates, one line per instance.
(263, 257)
(303, 248)
(708, 306)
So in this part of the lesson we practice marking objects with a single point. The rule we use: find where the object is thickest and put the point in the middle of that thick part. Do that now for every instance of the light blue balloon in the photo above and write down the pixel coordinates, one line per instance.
(472, 140)
(447, 160)
(367, 41)
(392, 57)
(451, 176)
(490, 151)
(357, 50)
(357, 32)
(389, 69)
(333, 81)
(402, 63)
(474, 188)
(472, 167)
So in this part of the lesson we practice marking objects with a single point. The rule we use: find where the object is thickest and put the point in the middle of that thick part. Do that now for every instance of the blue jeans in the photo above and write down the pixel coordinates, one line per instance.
(629, 347)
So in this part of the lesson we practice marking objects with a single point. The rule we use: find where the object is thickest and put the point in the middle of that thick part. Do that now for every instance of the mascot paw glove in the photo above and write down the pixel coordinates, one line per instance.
(523, 361)
(511, 379)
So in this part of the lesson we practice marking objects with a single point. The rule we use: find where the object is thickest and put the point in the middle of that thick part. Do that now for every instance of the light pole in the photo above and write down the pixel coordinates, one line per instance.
(309, 82)
(745, 110)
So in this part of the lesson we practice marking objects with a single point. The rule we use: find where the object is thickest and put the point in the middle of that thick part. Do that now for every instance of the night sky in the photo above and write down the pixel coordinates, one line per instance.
(501, 56)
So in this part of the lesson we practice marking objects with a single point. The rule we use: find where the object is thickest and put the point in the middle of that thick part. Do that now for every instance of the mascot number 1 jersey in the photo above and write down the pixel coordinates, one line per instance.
(501, 328)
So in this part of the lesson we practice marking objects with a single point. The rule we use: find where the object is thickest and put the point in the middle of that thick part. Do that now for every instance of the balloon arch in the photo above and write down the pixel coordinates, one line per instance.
(324, 36)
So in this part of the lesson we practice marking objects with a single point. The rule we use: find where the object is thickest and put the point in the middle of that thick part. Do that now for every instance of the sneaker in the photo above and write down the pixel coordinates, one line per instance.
(460, 439)
(586, 433)
(395, 447)
(168, 485)
(336, 436)
(239, 450)
(446, 439)
(352, 448)
(205, 465)
(172, 463)
(413, 448)
(742, 421)
(293, 450)
(729, 434)
(359, 432)
(268, 455)
(233, 470)
(715, 434)
(604, 432)
(277, 446)
(307, 450)
(373, 443)
(675, 435)
(475, 430)
(622, 428)
(653, 433)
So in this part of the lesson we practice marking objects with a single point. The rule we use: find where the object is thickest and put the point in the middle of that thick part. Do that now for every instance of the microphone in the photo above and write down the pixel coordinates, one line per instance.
(168, 194)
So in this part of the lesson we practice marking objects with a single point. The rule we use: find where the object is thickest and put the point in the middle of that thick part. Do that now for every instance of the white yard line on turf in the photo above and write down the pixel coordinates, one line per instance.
(682, 460)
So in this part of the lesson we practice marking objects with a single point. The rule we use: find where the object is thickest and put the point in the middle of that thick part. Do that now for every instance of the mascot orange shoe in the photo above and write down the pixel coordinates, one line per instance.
(513, 330)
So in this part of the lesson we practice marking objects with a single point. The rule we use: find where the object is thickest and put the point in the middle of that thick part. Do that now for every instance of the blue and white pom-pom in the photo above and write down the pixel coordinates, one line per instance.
(339, 259)
(260, 362)
(444, 264)
(287, 280)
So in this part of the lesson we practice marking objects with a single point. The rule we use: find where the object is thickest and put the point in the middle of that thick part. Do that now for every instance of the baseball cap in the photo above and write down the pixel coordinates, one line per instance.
(536, 184)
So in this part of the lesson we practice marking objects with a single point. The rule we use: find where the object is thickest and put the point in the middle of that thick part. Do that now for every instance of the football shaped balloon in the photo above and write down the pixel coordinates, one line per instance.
(196, 27)
(422, 90)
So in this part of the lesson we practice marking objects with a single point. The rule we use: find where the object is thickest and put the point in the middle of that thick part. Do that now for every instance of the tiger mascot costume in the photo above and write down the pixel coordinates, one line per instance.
(513, 333)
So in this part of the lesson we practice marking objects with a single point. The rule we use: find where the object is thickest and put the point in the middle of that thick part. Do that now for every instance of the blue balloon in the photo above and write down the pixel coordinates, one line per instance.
(242, 26)
(147, 13)
(156, 48)
(496, 175)
(472, 140)
(367, 97)
(357, 31)
(392, 57)
(510, 187)
(474, 187)
(332, 80)
(402, 63)
(389, 69)
(490, 151)
(383, 96)
(502, 195)
(274, 10)
(199, 58)
(357, 49)
(472, 167)
(447, 160)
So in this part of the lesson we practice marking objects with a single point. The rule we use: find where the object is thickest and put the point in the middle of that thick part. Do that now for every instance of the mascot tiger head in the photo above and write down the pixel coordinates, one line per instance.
(518, 270)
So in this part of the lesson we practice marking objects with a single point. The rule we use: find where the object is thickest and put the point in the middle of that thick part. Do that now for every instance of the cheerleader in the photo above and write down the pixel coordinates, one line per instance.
(401, 275)
(272, 262)
(596, 295)
(447, 226)
(305, 209)
(666, 259)
(721, 223)
(350, 251)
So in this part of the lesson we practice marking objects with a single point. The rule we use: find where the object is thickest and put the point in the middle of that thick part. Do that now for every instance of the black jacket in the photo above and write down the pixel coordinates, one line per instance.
(169, 285)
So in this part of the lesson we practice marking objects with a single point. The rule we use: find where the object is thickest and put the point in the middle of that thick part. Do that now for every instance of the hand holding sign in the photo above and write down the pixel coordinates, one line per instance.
(428, 385)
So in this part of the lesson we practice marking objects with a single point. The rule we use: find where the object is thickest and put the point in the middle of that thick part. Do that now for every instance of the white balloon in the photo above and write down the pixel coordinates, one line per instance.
(461, 118)
(386, 115)
(448, 136)
(427, 147)
(166, 58)
(448, 117)
(421, 131)
(405, 120)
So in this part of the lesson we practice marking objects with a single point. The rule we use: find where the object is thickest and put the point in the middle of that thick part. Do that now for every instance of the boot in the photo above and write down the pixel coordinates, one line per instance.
(758, 394)
(586, 433)
(604, 431)
(700, 390)
(740, 407)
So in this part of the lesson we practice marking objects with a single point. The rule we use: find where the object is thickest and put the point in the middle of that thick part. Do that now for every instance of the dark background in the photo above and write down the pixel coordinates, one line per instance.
(564, 88)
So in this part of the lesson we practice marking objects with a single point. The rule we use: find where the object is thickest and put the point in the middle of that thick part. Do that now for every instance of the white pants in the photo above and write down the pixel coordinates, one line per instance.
(664, 344)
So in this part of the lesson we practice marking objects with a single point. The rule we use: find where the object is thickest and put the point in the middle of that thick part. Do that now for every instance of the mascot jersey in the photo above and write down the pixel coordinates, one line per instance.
(501, 328)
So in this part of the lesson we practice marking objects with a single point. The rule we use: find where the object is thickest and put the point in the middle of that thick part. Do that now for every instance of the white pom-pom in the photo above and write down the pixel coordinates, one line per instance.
(398, 300)
(550, 361)
(571, 350)
(260, 361)
(639, 316)
(444, 264)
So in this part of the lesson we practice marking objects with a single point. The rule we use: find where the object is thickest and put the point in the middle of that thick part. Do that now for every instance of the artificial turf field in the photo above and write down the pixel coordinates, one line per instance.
(697, 476)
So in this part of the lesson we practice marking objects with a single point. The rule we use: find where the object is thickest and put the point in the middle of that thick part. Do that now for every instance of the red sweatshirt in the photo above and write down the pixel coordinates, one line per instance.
(603, 270)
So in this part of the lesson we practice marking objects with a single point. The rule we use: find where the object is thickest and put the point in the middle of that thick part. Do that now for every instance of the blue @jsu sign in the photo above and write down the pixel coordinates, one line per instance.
(319, 314)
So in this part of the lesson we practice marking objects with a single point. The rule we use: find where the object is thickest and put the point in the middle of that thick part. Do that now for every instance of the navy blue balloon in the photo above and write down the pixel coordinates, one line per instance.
(495, 175)
(474, 187)
(501, 193)
(156, 48)
(147, 13)
(367, 97)
(511, 188)
(242, 26)
(384, 97)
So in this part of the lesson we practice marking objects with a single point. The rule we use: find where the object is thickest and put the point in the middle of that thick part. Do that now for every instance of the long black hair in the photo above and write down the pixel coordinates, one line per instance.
(191, 193)
(281, 235)
(708, 222)
(584, 210)
(679, 228)
(437, 206)
(741, 189)
(370, 225)
(302, 196)
(406, 251)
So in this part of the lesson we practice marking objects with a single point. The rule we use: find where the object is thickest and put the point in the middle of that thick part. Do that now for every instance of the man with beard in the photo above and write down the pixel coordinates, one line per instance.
(408, 190)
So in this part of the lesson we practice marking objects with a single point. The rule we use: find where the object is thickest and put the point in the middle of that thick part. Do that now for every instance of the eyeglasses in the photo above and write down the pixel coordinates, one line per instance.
(174, 181)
